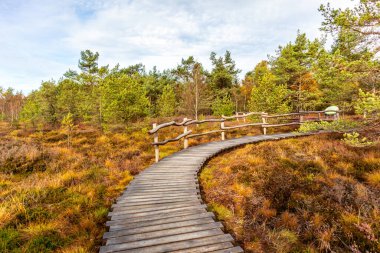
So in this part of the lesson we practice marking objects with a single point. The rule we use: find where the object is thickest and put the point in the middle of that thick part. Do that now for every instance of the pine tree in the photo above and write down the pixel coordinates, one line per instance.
(167, 102)
(223, 106)
(68, 126)
(267, 95)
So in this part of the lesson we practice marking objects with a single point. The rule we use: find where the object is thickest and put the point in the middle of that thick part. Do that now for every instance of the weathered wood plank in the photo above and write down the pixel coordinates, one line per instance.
(162, 215)
(128, 214)
(157, 199)
(161, 231)
(155, 195)
(180, 245)
(152, 207)
(161, 201)
(160, 227)
(172, 218)
(162, 240)
(137, 206)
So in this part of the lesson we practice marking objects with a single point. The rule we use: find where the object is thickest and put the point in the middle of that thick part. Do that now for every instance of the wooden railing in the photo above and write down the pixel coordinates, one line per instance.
(288, 119)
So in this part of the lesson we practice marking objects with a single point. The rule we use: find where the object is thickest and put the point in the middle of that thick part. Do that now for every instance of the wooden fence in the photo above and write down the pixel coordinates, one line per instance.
(266, 121)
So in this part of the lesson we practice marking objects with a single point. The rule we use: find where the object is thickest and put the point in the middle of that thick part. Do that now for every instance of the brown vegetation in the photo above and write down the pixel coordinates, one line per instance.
(56, 198)
(299, 195)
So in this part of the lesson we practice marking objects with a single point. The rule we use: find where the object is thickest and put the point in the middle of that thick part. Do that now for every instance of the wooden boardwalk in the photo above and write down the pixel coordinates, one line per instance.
(162, 209)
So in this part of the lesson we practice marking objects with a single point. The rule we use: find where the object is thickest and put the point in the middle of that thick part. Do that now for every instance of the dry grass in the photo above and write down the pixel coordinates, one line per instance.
(55, 198)
(309, 194)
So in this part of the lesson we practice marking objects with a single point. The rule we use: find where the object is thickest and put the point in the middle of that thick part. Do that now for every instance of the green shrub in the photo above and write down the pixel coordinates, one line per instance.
(337, 125)
(9, 240)
(354, 140)
(44, 243)
(223, 106)
(368, 103)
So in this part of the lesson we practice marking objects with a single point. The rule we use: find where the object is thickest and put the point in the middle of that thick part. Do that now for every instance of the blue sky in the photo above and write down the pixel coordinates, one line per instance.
(41, 39)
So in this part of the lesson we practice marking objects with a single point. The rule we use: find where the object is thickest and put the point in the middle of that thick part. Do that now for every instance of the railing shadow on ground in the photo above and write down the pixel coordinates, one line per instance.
(250, 119)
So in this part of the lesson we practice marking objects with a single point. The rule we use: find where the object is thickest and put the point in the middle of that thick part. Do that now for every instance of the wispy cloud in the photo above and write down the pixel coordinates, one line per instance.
(41, 39)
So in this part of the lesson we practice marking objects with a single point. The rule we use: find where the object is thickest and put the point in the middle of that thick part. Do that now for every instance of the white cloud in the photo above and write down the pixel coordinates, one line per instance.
(40, 39)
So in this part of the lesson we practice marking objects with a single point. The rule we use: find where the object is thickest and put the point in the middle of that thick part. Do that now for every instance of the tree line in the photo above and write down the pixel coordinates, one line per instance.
(302, 75)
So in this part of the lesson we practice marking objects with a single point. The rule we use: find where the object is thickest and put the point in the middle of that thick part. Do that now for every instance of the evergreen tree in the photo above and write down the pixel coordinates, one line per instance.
(88, 62)
(223, 106)
(223, 76)
(360, 25)
(47, 98)
(124, 99)
(31, 111)
(267, 95)
(293, 67)
(167, 102)
(367, 103)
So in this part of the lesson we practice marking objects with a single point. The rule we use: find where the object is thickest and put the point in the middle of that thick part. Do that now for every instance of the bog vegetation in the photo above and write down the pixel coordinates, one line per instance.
(69, 148)
(313, 194)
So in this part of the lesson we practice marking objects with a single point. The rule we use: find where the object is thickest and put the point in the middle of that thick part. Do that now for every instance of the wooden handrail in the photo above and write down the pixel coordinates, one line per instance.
(171, 123)
(244, 115)
(171, 140)
(298, 120)
(192, 122)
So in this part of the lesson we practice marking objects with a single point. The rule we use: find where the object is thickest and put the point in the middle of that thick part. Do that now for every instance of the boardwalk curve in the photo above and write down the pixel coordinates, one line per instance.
(162, 210)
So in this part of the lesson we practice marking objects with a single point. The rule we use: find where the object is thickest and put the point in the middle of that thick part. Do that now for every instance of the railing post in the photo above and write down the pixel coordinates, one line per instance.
(301, 118)
(156, 150)
(319, 116)
(185, 141)
(264, 122)
(223, 133)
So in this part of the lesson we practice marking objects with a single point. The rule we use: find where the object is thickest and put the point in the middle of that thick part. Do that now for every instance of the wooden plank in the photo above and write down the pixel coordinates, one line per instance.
(145, 195)
(142, 192)
(169, 190)
(129, 214)
(181, 245)
(165, 181)
(160, 227)
(157, 199)
(161, 201)
(158, 214)
(156, 184)
(180, 187)
(162, 231)
(151, 196)
(160, 241)
(152, 207)
(144, 207)
(126, 224)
